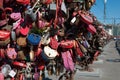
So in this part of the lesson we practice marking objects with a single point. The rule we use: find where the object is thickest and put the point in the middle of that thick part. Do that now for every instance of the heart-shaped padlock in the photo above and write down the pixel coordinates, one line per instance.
(11, 53)
(15, 16)
(24, 30)
(33, 39)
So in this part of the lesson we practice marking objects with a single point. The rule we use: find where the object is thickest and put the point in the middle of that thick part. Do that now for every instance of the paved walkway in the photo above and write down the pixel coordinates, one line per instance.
(110, 68)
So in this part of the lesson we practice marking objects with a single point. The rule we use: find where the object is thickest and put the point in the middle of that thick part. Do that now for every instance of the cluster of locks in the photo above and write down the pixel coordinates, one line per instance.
(39, 38)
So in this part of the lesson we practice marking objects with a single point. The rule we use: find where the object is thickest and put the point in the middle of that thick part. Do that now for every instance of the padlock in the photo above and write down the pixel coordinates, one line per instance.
(91, 29)
(3, 22)
(24, 30)
(67, 44)
(89, 4)
(5, 69)
(19, 64)
(28, 74)
(8, 10)
(32, 54)
(53, 42)
(33, 39)
(21, 41)
(85, 17)
(29, 15)
(11, 53)
(36, 75)
(48, 53)
(38, 51)
(86, 44)
(45, 39)
(75, 20)
(17, 26)
(21, 55)
(21, 77)
(41, 22)
(2, 54)
(53, 6)
(20, 74)
(12, 73)
(23, 2)
(58, 66)
(47, 1)
(13, 36)
(69, 65)
(7, 27)
(15, 16)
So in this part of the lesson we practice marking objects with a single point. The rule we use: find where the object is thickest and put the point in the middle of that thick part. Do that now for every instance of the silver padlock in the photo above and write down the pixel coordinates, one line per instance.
(13, 35)
(28, 74)
(45, 72)
(30, 15)
(5, 69)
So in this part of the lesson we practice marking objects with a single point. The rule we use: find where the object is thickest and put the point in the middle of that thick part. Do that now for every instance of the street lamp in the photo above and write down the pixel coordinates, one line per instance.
(105, 1)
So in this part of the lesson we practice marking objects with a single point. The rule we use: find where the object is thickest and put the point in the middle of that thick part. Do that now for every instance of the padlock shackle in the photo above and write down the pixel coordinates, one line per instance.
(35, 4)
(37, 10)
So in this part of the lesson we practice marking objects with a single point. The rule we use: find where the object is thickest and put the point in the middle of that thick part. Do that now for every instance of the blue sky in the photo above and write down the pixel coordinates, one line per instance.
(112, 11)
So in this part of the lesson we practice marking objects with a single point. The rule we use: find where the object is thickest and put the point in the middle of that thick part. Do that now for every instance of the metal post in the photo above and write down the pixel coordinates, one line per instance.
(115, 26)
(105, 10)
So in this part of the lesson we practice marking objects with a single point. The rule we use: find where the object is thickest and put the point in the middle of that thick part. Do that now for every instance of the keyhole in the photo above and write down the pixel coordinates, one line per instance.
(49, 54)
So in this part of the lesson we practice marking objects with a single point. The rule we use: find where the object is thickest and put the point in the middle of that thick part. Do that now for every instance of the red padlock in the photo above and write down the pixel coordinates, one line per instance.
(91, 29)
(41, 66)
(2, 53)
(47, 1)
(54, 42)
(21, 77)
(85, 17)
(20, 64)
(24, 30)
(96, 53)
(67, 44)
(23, 1)
(8, 10)
(38, 51)
(4, 34)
